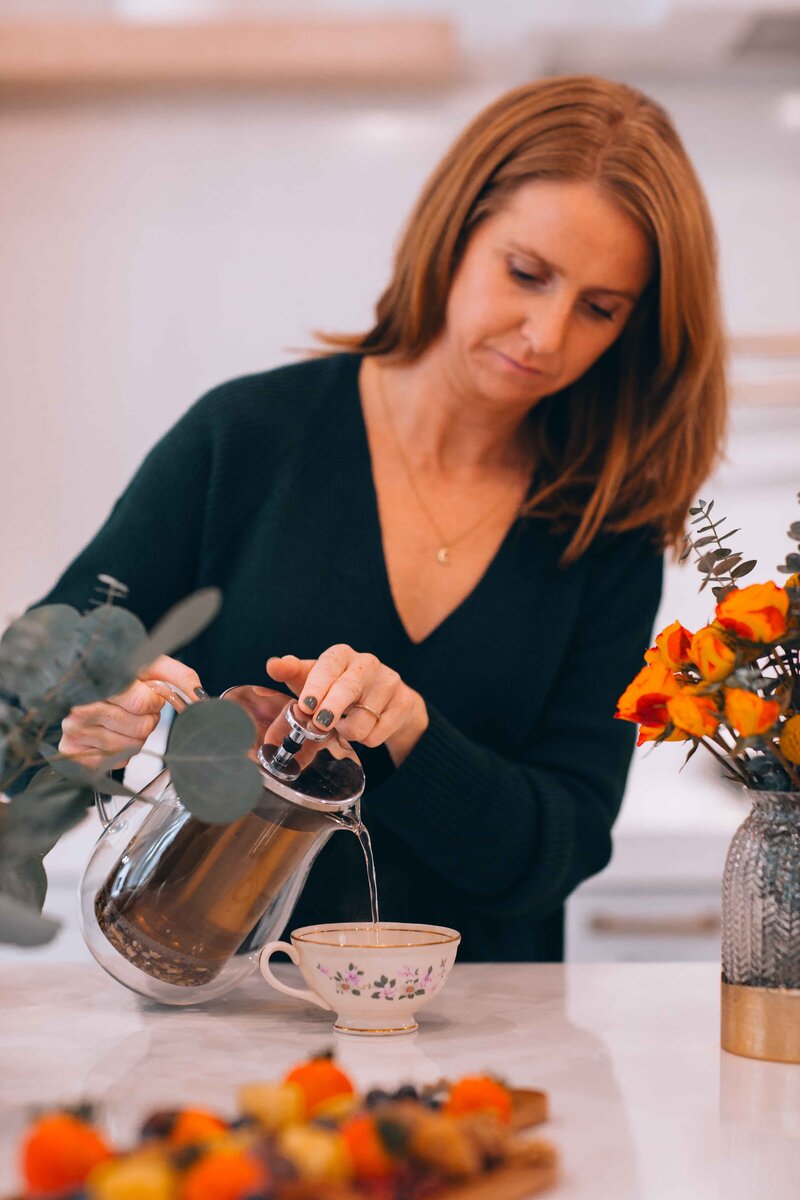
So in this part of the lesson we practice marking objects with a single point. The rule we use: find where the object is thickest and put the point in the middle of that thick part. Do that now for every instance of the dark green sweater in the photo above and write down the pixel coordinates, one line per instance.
(264, 488)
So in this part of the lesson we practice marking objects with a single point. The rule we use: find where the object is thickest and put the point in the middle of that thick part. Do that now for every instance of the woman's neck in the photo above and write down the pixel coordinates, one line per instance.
(442, 429)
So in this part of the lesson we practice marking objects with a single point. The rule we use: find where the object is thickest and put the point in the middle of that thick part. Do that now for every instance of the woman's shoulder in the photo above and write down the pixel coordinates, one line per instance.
(284, 399)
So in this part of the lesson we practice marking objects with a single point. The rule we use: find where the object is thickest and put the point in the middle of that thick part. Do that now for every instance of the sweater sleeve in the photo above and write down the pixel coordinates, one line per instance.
(518, 835)
(152, 539)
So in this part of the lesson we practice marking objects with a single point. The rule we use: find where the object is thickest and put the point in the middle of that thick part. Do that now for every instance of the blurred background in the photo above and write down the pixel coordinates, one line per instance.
(191, 187)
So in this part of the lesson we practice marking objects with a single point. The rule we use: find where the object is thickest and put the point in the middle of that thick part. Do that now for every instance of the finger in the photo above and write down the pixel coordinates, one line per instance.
(170, 670)
(392, 718)
(90, 754)
(357, 724)
(291, 670)
(90, 759)
(139, 699)
(340, 677)
(112, 718)
(104, 740)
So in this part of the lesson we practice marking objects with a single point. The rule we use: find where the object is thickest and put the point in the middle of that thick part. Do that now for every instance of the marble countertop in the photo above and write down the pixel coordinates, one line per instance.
(645, 1106)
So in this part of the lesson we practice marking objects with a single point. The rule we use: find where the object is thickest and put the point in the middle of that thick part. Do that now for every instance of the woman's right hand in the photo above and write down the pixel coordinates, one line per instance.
(92, 733)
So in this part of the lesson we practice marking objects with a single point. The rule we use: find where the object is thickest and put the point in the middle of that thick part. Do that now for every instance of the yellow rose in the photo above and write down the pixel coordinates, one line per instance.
(748, 713)
(790, 739)
(792, 581)
(695, 715)
(757, 613)
(711, 655)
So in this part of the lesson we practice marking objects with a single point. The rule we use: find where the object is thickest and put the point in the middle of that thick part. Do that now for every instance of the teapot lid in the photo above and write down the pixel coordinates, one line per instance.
(314, 768)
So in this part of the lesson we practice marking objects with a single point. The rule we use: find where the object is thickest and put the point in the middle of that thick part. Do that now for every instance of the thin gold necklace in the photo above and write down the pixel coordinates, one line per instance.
(445, 544)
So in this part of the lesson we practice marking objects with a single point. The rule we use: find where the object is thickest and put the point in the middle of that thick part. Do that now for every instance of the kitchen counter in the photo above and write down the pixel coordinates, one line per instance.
(645, 1106)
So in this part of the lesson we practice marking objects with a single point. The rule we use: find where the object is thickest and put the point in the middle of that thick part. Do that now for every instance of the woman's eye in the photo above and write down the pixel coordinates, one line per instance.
(601, 313)
(523, 276)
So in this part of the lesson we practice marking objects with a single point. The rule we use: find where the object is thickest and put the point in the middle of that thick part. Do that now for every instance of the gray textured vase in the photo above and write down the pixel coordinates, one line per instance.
(761, 931)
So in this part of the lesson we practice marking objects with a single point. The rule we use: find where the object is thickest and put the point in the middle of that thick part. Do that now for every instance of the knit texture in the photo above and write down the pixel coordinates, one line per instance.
(264, 489)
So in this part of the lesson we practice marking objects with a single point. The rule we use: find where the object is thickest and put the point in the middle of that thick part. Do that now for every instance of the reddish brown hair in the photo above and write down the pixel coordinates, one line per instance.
(628, 444)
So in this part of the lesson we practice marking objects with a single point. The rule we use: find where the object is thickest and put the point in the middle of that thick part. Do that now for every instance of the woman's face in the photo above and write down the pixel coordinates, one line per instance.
(545, 285)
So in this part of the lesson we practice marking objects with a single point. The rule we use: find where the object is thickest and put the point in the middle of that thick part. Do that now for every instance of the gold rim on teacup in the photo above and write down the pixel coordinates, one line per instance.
(444, 938)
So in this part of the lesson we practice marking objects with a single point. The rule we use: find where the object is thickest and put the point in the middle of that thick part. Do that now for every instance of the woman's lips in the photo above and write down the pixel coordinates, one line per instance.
(516, 366)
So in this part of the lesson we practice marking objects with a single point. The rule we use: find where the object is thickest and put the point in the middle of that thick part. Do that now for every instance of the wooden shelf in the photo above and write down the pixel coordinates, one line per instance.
(45, 54)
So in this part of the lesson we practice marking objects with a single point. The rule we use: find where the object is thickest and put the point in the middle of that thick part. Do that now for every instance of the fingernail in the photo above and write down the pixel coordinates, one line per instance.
(310, 702)
(325, 717)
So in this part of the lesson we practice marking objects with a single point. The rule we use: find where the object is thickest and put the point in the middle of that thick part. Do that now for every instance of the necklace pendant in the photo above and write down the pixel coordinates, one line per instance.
(443, 556)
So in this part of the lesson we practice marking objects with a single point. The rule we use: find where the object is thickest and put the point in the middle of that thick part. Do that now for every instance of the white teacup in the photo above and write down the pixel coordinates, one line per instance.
(375, 981)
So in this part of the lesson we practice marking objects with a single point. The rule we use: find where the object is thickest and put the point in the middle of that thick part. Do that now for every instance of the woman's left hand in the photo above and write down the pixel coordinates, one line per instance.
(364, 699)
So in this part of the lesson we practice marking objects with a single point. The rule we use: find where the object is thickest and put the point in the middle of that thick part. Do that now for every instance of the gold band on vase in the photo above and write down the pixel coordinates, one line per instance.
(761, 1022)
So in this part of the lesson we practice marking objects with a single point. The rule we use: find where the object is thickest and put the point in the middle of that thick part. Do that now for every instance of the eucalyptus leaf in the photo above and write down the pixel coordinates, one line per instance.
(793, 562)
(96, 779)
(54, 657)
(207, 758)
(180, 625)
(794, 531)
(24, 879)
(23, 925)
(705, 541)
(744, 569)
(35, 819)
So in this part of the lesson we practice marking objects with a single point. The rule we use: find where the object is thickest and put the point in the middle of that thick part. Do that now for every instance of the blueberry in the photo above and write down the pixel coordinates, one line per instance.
(375, 1097)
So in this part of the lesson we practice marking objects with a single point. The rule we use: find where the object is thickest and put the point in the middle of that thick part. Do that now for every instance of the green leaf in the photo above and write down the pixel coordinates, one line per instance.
(35, 819)
(23, 925)
(54, 657)
(180, 625)
(96, 779)
(25, 880)
(207, 758)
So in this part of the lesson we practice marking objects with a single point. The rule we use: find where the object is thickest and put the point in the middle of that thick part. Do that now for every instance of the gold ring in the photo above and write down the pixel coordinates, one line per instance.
(366, 708)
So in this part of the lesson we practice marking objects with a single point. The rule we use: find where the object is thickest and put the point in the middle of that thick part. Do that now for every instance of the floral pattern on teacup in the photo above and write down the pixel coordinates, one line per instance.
(408, 983)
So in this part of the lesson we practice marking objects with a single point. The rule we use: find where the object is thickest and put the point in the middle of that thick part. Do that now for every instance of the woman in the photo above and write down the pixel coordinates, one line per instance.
(446, 538)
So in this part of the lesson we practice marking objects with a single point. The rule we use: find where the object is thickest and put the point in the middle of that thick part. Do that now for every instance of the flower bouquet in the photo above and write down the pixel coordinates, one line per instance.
(733, 687)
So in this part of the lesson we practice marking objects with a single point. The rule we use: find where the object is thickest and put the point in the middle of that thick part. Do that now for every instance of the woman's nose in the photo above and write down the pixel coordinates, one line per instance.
(545, 325)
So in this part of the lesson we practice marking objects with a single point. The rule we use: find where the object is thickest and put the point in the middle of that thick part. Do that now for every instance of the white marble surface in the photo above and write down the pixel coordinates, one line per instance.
(645, 1106)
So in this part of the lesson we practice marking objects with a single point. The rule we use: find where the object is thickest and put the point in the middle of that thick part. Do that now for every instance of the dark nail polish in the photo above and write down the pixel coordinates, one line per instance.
(310, 702)
(325, 717)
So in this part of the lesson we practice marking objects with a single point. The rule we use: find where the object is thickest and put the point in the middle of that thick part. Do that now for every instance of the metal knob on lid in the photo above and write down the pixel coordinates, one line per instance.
(313, 768)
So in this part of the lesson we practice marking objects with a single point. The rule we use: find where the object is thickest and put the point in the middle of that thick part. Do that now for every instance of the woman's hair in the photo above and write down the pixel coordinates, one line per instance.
(628, 444)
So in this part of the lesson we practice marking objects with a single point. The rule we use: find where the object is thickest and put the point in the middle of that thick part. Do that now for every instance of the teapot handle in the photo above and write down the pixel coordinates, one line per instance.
(109, 807)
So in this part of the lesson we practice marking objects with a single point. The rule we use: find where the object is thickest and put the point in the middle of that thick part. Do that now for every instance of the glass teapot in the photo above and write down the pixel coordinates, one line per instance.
(177, 909)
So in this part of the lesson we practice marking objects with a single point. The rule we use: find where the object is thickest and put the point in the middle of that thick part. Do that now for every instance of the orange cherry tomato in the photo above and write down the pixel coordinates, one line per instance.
(319, 1079)
(195, 1125)
(369, 1156)
(223, 1175)
(478, 1093)
(58, 1153)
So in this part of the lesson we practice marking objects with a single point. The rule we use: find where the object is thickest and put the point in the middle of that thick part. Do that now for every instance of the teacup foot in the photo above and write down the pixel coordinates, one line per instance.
(361, 1027)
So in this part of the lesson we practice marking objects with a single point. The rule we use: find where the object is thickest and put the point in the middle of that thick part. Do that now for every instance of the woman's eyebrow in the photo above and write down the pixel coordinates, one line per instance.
(553, 269)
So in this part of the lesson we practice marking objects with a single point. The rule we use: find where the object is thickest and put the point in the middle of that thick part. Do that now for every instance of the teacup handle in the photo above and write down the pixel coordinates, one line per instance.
(299, 993)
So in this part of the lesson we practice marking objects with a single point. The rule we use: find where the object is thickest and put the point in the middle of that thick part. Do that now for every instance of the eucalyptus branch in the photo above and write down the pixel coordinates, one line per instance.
(728, 763)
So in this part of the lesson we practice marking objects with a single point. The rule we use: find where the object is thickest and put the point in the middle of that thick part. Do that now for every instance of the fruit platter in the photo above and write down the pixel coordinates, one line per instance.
(308, 1136)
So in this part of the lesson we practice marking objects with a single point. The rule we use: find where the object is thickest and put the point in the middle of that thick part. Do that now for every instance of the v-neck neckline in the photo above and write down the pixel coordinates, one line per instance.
(378, 560)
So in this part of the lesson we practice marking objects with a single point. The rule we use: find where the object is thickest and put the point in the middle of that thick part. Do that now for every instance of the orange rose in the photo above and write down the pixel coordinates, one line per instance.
(748, 713)
(756, 613)
(711, 655)
(645, 699)
(651, 733)
(671, 648)
(695, 715)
